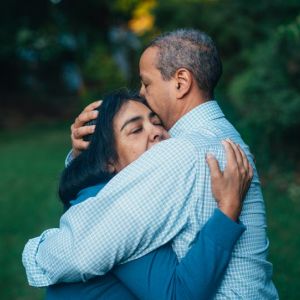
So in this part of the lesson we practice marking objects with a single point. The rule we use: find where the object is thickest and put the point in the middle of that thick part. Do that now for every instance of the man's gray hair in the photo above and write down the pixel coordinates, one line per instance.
(191, 49)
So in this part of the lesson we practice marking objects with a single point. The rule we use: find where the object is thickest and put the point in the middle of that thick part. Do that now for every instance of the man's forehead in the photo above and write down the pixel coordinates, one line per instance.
(148, 66)
(149, 56)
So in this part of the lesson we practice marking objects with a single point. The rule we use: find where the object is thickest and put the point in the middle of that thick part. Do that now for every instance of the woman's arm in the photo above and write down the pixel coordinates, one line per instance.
(159, 275)
(100, 287)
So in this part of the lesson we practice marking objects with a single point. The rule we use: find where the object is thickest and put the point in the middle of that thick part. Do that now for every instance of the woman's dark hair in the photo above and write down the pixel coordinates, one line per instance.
(90, 167)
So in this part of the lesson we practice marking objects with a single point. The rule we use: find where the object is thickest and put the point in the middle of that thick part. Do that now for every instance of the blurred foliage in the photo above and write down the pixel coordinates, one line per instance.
(82, 49)
(48, 48)
(100, 67)
(142, 18)
(267, 92)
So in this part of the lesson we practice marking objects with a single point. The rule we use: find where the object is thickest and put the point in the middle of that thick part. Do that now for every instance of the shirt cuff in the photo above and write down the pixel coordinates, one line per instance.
(35, 275)
(69, 158)
(223, 230)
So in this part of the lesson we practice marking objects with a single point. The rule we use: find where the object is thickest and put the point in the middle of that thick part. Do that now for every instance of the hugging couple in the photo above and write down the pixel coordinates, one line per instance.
(161, 194)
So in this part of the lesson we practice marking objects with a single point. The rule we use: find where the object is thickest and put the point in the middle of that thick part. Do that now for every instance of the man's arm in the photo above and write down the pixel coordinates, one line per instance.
(136, 216)
(140, 209)
(159, 275)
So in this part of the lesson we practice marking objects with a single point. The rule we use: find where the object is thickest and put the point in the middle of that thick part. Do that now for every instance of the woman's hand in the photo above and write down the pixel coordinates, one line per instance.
(79, 130)
(230, 187)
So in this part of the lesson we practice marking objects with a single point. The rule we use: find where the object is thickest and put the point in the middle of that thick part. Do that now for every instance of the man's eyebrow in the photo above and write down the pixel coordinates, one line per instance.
(134, 119)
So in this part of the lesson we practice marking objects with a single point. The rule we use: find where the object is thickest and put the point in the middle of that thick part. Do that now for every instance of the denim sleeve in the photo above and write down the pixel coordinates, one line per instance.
(159, 275)
(101, 287)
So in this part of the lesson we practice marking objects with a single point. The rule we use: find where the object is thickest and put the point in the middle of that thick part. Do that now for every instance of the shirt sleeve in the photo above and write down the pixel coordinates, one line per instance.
(159, 275)
(140, 209)
(69, 158)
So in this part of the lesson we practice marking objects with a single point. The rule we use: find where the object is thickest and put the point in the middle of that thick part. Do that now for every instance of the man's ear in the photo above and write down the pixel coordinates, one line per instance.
(184, 80)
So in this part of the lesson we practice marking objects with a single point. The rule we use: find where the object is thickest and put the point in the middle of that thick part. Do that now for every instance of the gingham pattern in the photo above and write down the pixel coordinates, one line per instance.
(164, 195)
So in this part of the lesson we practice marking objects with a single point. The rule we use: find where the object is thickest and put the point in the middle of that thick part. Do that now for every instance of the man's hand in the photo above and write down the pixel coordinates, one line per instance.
(230, 187)
(79, 130)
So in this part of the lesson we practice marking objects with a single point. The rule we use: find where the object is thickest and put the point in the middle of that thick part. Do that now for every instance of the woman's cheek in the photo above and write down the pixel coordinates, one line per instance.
(138, 149)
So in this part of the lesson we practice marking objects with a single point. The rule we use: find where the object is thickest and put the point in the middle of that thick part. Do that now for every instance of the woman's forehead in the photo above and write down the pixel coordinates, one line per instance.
(129, 110)
(132, 107)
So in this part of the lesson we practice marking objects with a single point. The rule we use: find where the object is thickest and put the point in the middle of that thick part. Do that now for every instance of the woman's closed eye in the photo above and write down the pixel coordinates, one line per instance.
(136, 130)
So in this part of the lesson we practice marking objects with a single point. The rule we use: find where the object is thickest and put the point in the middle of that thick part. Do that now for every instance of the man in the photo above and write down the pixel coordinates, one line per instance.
(166, 194)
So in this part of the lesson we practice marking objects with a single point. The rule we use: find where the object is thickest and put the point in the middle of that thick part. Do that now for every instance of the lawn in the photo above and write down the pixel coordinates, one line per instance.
(31, 160)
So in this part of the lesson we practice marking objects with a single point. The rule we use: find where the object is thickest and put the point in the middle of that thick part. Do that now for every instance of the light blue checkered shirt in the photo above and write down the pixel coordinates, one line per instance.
(164, 195)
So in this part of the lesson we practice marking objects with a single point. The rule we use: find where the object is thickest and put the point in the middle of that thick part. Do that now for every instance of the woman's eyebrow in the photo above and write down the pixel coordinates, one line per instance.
(134, 119)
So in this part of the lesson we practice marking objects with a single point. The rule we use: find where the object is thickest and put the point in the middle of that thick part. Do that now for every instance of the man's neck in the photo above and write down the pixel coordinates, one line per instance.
(185, 106)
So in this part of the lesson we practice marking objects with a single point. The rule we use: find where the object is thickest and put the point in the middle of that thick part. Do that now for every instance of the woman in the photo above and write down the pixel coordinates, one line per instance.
(125, 129)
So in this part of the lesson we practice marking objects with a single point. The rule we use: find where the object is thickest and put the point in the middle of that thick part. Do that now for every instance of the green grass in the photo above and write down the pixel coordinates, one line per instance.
(30, 162)
(283, 210)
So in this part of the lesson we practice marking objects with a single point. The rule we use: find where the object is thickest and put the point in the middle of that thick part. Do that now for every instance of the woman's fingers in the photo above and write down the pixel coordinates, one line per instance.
(244, 166)
(226, 185)
(238, 155)
(229, 187)
(231, 161)
(213, 165)
(247, 168)
(244, 158)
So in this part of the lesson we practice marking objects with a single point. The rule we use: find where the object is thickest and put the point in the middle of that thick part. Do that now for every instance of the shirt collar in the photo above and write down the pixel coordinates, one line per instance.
(87, 192)
(197, 117)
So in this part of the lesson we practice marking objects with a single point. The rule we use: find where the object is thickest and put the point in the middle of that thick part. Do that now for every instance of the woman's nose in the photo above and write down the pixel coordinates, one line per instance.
(156, 134)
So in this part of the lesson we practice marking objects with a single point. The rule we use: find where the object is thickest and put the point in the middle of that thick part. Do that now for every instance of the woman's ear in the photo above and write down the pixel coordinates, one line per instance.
(111, 168)
(184, 79)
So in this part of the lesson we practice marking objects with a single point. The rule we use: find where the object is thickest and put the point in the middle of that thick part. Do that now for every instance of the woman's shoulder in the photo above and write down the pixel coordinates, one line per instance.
(88, 192)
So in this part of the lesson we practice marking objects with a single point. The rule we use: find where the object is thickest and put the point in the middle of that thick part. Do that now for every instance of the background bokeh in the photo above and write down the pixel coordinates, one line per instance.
(56, 56)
